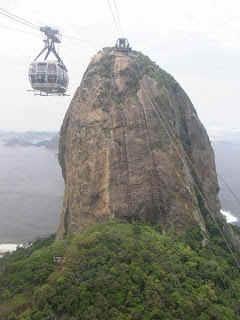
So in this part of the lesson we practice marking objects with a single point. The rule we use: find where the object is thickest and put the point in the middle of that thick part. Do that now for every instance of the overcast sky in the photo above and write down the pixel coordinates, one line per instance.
(197, 42)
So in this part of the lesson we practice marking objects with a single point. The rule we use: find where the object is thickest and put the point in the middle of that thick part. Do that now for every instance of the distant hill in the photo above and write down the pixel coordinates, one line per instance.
(50, 140)
(32, 136)
(53, 142)
(41, 143)
(18, 142)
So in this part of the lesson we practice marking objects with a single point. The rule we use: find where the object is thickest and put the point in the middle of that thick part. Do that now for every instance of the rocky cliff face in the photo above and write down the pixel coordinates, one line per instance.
(124, 145)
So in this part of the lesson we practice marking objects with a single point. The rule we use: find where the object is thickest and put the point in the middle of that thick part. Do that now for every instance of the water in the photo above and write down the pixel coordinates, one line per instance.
(228, 166)
(31, 192)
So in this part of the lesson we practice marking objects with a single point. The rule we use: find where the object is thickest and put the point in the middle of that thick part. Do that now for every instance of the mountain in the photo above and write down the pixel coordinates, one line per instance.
(128, 145)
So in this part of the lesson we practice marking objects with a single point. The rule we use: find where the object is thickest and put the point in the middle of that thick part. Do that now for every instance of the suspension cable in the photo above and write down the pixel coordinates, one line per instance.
(185, 165)
(228, 188)
(114, 18)
(33, 34)
(176, 280)
(82, 40)
(120, 28)
(174, 136)
(176, 284)
(230, 297)
(26, 24)
(87, 41)
(34, 25)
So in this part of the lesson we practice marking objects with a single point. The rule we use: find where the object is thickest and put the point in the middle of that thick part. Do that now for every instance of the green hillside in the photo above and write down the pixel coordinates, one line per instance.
(121, 271)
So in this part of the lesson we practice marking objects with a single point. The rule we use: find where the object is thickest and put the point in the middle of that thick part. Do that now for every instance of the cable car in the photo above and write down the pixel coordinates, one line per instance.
(50, 77)
(47, 76)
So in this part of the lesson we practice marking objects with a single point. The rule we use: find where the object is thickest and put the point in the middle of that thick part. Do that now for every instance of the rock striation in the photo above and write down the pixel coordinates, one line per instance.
(125, 146)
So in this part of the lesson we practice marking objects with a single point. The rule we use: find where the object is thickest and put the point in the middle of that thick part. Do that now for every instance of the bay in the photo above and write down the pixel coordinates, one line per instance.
(31, 190)
(227, 157)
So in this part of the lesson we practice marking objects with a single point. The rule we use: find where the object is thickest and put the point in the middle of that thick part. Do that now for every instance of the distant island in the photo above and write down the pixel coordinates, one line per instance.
(49, 140)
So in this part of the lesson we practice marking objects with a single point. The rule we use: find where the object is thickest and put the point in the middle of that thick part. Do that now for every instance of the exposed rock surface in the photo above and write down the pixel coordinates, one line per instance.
(116, 155)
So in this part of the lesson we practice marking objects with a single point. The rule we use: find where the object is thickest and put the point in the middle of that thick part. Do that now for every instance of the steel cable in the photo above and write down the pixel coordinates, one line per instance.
(114, 18)
(200, 193)
(33, 34)
(34, 25)
(26, 24)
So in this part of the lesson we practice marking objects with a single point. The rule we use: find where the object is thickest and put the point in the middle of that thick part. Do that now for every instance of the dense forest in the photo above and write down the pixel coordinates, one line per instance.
(118, 270)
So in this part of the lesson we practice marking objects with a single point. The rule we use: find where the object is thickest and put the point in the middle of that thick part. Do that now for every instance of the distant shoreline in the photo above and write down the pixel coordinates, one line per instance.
(10, 247)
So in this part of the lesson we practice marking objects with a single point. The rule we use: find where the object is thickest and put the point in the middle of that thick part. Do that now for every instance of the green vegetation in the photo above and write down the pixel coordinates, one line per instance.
(142, 65)
(146, 66)
(105, 66)
(120, 271)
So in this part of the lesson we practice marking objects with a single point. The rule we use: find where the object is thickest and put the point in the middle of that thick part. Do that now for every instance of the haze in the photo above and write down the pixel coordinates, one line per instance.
(196, 42)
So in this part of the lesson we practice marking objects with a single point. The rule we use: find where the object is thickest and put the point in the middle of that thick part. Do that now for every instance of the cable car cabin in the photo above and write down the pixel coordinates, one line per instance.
(50, 77)
(122, 44)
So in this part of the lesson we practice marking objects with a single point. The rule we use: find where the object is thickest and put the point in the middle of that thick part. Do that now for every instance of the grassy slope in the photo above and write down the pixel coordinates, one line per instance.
(119, 271)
